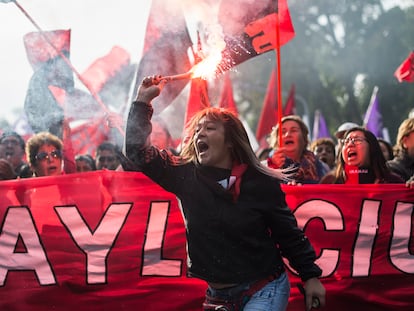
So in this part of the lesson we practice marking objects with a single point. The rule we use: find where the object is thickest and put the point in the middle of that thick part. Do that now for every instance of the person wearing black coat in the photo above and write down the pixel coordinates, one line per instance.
(238, 224)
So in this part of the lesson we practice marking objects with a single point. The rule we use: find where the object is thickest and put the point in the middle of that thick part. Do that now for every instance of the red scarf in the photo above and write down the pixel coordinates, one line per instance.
(237, 172)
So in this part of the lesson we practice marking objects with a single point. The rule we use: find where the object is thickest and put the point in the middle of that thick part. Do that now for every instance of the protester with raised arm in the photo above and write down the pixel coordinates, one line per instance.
(238, 224)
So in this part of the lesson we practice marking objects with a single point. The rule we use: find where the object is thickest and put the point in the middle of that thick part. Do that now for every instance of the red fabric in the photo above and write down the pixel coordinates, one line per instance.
(105, 68)
(363, 237)
(197, 99)
(226, 96)
(59, 94)
(237, 171)
(166, 47)
(87, 136)
(109, 240)
(50, 61)
(352, 174)
(227, 101)
(405, 72)
(147, 254)
(269, 24)
(290, 106)
(251, 29)
(268, 115)
(39, 50)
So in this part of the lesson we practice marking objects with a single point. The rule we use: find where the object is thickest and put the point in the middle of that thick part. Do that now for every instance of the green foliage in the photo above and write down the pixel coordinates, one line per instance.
(335, 42)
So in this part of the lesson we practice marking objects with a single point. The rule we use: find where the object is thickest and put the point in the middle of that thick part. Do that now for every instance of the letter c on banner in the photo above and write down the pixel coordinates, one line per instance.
(332, 219)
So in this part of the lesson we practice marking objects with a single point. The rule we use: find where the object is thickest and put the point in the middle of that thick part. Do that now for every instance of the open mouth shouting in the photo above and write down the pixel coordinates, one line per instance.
(202, 148)
(52, 170)
(9, 154)
(288, 142)
(351, 157)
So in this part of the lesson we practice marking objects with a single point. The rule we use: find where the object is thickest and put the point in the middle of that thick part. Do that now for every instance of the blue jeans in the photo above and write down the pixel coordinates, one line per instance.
(273, 297)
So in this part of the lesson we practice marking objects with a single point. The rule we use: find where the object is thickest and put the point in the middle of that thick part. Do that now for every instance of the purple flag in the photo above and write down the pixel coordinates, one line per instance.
(320, 129)
(373, 117)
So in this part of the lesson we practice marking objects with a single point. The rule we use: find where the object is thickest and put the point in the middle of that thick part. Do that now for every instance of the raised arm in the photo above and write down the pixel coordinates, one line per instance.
(138, 128)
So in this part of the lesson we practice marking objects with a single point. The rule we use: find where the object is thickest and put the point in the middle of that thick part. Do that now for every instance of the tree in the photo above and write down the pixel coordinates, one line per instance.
(337, 43)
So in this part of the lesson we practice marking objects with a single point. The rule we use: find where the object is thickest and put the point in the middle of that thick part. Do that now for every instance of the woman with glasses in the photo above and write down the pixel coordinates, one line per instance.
(45, 154)
(361, 161)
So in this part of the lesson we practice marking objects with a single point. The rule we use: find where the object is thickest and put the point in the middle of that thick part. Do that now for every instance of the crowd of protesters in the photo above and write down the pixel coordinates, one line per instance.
(357, 157)
(47, 154)
(322, 160)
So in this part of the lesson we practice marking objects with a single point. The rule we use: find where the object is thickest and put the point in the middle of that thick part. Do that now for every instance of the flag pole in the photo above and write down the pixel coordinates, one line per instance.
(68, 62)
(279, 78)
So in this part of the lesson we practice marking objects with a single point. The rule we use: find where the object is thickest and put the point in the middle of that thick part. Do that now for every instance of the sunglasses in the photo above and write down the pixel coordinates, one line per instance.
(56, 154)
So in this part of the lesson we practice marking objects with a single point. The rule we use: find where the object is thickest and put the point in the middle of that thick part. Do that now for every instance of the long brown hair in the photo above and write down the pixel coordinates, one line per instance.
(235, 133)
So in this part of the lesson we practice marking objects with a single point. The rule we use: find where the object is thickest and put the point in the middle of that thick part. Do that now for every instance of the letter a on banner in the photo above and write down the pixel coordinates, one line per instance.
(18, 223)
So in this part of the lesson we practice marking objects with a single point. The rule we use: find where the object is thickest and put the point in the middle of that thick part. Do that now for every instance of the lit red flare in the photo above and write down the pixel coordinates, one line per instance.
(182, 76)
(204, 69)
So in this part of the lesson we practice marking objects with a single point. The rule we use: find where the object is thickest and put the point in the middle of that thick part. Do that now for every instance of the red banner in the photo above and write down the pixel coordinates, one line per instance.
(110, 240)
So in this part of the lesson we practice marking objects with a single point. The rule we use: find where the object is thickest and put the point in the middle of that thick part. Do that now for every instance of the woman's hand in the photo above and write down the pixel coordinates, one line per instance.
(6, 170)
(314, 294)
(150, 88)
(279, 157)
(410, 183)
(114, 120)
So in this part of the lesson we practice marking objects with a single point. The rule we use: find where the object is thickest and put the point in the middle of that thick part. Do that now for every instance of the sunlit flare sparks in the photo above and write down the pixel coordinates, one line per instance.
(205, 69)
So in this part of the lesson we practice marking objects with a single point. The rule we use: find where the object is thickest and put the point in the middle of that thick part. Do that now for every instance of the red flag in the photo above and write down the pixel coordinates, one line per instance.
(405, 72)
(59, 94)
(88, 135)
(226, 96)
(50, 69)
(111, 76)
(39, 51)
(269, 112)
(251, 29)
(290, 107)
(227, 101)
(104, 68)
(198, 98)
(165, 49)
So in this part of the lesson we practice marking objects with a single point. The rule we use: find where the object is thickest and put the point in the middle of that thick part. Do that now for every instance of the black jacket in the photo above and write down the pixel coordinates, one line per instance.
(402, 165)
(228, 242)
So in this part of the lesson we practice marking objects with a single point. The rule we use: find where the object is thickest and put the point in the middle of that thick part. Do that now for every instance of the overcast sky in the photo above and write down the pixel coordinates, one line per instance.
(96, 26)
